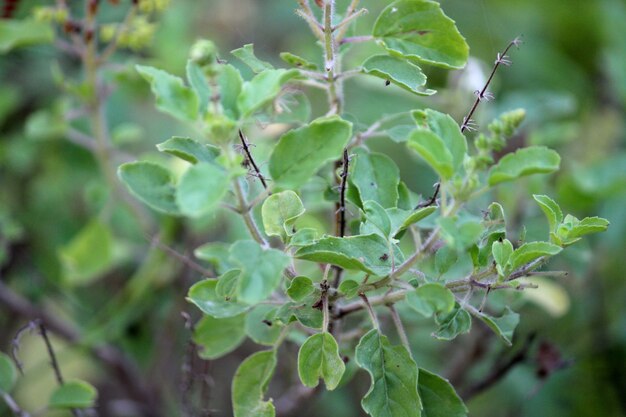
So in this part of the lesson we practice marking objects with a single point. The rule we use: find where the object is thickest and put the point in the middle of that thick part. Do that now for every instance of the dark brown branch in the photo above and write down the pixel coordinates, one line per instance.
(501, 59)
(53, 358)
(250, 159)
(432, 199)
(342, 194)
(500, 370)
(340, 213)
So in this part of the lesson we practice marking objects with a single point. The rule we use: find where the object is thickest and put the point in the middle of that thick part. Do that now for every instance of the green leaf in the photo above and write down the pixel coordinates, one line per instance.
(587, 226)
(349, 288)
(531, 251)
(230, 85)
(172, 96)
(303, 237)
(460, 233)
(525, 161)
(300, 288)
(402, 219)
(218, 337)
(261, 270)
(297, 61)
(150, 183)
(451, 325)
(246, 55)
(204, 296)
(262, 89)
(319, 358)
(300, 153)
(445, 258)
(8, 374)
(399, 72)
(439, 399)
(302, 312)
(73, 394)
(419, 30)
(393, 391)
(227, 283)
(21, 33)
(431, 298)
(503, 326)
(88, 255)
(189, 150)
(216, 253)
(280, 211)
(502, 251)
(201, 188)
(250, 383)
(199, 84)
(551, 209)
(376, 177)
(261, 326)
(433, 150)
(377, 220)
(363, 253)
(448, 131)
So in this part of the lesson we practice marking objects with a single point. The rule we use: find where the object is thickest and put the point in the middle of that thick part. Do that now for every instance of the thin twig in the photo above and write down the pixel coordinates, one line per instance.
(156, 242)
(499, 371)
(15, 343)
(53, 359)
(370, 310)
(349, 19)
(13, 406)
(356, 39)
(246, 149)
(399, 327)
(116, 363)
(307, 14)
(114, 43)
(432, 199)
(502, 59)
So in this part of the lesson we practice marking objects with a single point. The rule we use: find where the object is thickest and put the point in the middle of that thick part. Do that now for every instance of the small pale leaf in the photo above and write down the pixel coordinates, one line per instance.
(150, 183)
(280, 212)
(73, 394)
(172, 96)
(189, 150)
(398, 71)
(431, 298)
(247, 56)
(523, 162)
(319, 358)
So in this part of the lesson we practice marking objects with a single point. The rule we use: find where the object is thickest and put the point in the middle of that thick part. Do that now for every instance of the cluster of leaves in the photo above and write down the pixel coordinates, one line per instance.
(259, 292)
(277, 285)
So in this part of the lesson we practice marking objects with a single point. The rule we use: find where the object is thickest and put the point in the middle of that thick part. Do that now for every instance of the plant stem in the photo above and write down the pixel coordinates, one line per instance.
(370, 310)
(399, 327)
(247, 215)
(332, 63)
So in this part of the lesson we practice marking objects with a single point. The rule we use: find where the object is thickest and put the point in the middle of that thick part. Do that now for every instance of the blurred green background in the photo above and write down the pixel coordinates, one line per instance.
(570, 76)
